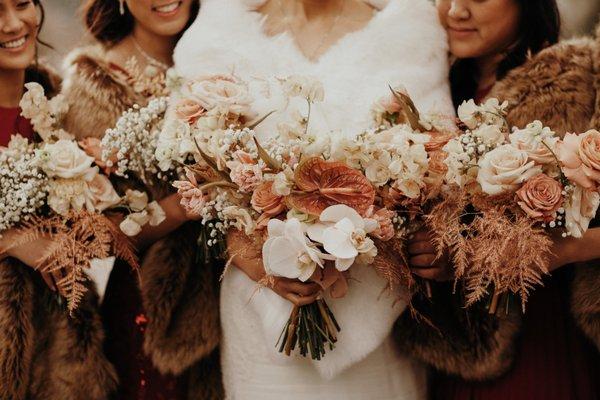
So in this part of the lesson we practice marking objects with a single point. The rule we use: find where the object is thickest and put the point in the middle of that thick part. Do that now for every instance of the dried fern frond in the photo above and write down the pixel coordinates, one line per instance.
(80, 237)
(495, 248)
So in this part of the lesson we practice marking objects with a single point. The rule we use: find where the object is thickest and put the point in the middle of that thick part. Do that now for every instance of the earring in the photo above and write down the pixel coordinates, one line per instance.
(122, 7)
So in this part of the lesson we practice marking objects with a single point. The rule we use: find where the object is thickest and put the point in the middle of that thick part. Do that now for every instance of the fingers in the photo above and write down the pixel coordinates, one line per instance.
(298, 293)
(421, 247)
(301, 301)
(423, 260)
(421, 236)
(296, 287)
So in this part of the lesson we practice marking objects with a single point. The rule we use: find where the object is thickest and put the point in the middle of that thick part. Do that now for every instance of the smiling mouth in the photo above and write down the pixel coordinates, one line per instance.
(167, 8)
(14, 44)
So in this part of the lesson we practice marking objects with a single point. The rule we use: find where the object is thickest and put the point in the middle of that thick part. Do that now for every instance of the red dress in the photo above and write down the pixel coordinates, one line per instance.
(11, 123)
(554, 360)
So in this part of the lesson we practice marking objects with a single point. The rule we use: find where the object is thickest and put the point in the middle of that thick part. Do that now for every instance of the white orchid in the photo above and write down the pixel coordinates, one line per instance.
(343, 234)
(289, 253)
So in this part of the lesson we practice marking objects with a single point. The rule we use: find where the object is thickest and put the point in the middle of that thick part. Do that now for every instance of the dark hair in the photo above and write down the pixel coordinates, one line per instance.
(539, 27)
(104, 21)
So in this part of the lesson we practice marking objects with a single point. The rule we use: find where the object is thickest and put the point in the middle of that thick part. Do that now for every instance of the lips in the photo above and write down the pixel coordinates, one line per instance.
(461, 30)
(14, 44)
(168, 8)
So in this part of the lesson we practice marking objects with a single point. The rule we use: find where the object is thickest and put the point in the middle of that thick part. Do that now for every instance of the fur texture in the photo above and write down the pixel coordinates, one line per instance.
(466, 342)
(44, 353)
(180, 295)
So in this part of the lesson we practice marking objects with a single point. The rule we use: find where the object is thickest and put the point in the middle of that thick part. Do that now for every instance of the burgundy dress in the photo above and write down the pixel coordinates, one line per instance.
(11, 123)
(554, 360)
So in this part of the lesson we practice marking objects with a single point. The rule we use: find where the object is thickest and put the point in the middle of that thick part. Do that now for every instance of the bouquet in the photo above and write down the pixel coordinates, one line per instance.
(321, 204)
(508, 192)
(53, 188)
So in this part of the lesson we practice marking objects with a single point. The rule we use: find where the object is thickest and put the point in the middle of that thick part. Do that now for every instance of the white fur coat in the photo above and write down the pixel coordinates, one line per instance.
(402, 45)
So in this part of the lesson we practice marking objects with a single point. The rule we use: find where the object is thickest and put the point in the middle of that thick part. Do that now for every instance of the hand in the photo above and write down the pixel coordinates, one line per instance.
(423, 258)
(246, 255)
(32, 254)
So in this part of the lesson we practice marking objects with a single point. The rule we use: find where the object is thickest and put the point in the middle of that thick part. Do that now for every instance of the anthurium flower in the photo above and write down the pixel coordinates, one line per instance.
(288, 252)
(343, 233)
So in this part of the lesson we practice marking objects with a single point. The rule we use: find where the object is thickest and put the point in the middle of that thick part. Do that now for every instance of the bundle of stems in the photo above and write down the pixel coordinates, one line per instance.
(311, 328)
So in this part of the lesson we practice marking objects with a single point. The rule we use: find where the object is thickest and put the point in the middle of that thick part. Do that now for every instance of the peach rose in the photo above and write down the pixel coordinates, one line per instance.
(189, 110)
(580, 158)
(437, 141)
(540, 197)
(101, 194)
(266, 202)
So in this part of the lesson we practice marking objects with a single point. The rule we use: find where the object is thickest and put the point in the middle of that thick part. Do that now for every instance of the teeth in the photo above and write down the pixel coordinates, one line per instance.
(168, 8)
(13, 44)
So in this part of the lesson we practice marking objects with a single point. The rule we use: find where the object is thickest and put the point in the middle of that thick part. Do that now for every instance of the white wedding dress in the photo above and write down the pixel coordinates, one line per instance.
(402, 45)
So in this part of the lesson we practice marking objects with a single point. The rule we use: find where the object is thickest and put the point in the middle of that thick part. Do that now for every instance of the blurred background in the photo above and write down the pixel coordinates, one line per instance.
(64, 31)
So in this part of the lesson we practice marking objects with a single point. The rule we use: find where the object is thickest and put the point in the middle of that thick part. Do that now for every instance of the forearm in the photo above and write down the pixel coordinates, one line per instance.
(174, 217)
(573, 250)
(245, 255)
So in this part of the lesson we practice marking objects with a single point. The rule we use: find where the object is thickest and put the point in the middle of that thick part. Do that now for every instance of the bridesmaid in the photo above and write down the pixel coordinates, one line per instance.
(499, 50)
(162, 326)
(45, 354)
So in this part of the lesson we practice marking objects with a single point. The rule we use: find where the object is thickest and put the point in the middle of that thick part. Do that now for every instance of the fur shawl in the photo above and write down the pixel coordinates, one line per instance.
(180, 296)
(561, 87)
(44, 353)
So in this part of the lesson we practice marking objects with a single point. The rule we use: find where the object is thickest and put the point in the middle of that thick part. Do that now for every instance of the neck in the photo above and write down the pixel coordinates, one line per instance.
(488, 69)
(158, 47)
(11, 82)
(320, 8)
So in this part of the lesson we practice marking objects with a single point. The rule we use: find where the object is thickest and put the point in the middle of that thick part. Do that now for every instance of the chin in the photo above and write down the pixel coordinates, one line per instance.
(17, 62)
(462, 50)
(171, 29)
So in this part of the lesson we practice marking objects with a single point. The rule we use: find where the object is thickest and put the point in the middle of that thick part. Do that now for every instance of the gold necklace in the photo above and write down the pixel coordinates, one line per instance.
(149, 59)
(325, 37)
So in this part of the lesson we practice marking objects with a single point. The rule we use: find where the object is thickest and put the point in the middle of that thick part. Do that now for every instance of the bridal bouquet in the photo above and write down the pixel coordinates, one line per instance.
(509, 191)
(52, 188)
(321, 204)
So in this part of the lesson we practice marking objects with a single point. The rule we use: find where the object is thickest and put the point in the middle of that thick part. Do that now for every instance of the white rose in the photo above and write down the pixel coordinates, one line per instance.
(490, 135)
(378, 171)
(101, 193)
(505, 169)
(136, 200)
(64, 159)
(580, 209)
(538, 141)
(224, 92)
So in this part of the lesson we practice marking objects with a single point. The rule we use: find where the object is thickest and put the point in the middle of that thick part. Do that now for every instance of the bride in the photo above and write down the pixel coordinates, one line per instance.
(357, 49)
